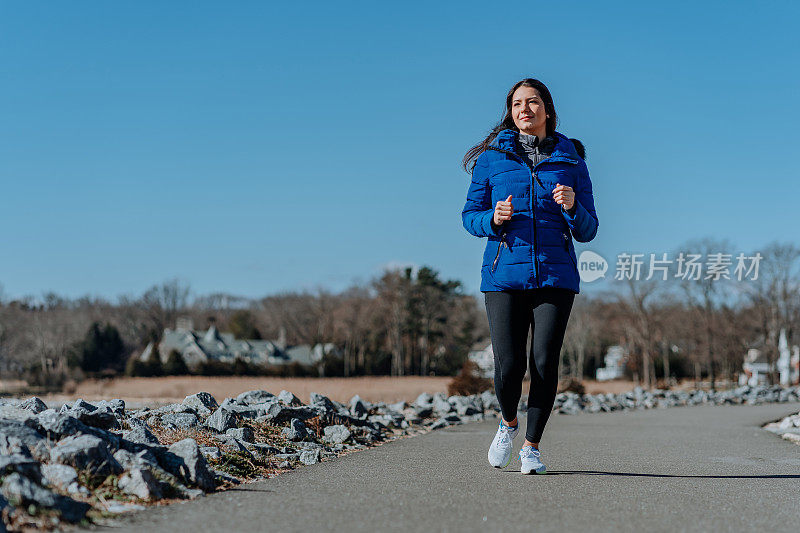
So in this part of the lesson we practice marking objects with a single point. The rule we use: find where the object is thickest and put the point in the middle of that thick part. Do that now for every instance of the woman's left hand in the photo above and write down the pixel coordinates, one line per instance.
(564, 195)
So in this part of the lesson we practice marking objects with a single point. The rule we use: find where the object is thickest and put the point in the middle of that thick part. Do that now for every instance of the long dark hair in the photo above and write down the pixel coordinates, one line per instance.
(508, 121)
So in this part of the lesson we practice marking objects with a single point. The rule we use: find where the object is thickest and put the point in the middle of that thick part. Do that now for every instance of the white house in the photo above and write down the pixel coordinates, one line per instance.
(756, 367)
(197, 346)
(483, 356)
(614, 361)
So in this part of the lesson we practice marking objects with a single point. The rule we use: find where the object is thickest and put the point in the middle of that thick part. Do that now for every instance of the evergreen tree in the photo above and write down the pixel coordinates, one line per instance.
(175, 365)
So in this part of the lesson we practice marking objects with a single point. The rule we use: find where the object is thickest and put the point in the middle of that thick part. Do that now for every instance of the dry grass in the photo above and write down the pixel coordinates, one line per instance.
(12, 386)
(242, 465)
(371, 388)
(174, 389)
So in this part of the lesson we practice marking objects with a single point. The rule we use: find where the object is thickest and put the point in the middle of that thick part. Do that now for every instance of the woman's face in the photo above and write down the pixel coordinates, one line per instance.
(527, 110)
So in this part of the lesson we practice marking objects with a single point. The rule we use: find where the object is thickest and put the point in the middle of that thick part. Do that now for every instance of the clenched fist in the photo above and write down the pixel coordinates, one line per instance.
(564, 195)
(503, 211)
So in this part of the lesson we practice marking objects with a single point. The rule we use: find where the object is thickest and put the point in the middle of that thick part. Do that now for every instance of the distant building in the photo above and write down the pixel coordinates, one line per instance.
(483, 356)
(614, 361)
(197, 347)
(756, 367)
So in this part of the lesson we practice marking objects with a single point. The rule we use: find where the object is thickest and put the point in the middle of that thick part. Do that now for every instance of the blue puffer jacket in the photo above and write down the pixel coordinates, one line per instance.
(534, 249)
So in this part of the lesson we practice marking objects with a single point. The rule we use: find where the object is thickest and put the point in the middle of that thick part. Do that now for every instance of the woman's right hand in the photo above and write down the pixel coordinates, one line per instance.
(503, 211)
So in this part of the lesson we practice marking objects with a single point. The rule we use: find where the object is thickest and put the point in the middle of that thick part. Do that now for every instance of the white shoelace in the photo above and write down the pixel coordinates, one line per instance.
(505, 434)
(530, 451)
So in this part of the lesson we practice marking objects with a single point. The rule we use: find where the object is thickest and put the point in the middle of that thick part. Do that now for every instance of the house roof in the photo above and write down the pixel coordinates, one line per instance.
(226, 347)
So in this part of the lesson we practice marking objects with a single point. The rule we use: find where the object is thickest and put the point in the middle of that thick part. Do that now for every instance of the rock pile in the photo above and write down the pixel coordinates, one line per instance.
(638, 398)
(788, 428)
(53, 462)
(57, 464)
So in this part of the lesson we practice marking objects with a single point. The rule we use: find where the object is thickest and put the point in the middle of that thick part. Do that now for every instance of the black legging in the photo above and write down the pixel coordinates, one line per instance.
(511, 315)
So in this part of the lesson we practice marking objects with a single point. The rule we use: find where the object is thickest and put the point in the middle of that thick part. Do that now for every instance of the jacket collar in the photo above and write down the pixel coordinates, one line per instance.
(563, 151)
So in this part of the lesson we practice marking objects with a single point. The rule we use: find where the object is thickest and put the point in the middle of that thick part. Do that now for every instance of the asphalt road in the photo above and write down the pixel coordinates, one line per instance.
(702, 468)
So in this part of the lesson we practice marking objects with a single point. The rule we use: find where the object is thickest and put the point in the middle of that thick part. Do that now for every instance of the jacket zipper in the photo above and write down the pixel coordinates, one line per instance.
(566, 247)
(499, 245)
(533, 208)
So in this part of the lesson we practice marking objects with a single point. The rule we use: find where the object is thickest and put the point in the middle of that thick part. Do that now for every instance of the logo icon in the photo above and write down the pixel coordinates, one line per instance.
(591, 266)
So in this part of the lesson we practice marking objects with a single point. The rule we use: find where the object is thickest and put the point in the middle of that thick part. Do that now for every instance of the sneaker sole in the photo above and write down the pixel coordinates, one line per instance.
(502, 466)
(532, 471)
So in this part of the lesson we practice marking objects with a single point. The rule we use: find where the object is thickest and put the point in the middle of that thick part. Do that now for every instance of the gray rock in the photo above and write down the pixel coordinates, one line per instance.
(116, 406)
(244, 434)
(297, 431)
(466, 405)
(383, 421)
(308, 445)
(365, 435)
(190, 494)
(489, 400)
(224, 477)
(5, 508)
(397, 407)
(120, 508)
(190, 464)
(279, 414)
(358, 407)
(140, 434)
(287, 398)
(59, 425)
(336, 434)
(254, 396)
(19, 430)
(10, 411)
(440, 423)
(131, 460)
(234, 444)
(263, 449)
(86, 452)
(441, 406)
(41, 452)
(454, 419)
(287, 456)
(423, 411)
(180, 420)
(141, 483)
(570, 407)
(33, 404)
(202, 403)
(424, 400)
(310, 457)
(61, 476)
(322, 401)
(23, 492)
(10, 445)
(211, 452)
(222, 420)
(23, 464)
(251, 411)
(91, 415)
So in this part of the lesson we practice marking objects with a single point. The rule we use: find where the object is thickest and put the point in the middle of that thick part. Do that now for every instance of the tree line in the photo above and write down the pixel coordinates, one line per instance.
(403, 322)
(413, 322)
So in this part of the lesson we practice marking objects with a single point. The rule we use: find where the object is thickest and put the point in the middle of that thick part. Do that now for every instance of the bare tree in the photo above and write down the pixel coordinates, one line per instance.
(162, 303)
(581, 335)
(705, 291)
(775, 296)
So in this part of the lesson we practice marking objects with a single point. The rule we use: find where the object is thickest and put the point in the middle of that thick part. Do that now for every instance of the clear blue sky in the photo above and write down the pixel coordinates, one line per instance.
(249, 148)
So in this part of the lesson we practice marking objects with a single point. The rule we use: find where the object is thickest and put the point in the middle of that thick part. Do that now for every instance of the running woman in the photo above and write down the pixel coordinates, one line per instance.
(530, 195)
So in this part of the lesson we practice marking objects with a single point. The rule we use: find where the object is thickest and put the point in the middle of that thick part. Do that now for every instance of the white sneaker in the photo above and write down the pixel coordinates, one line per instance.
(500, 450)
(531, 461)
